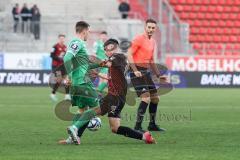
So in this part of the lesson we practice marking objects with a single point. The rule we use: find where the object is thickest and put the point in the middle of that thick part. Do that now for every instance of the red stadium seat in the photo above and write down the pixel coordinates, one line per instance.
(221, 2)
(213, 22)
(194, 30)
(220, 46)
(228, 53)
(213, 2)
(182, 1)
(229, 46)
(210, 53)
(229, 23)
(192, 15)
(233, 39)
(236, 47)
(227, 9)
(197, 46)
(201, 52)
(222, 23)
(217, 38)
(203, 8)
(179, 8)
(173, 1)
(236, 53)
(225, 39)
(203, 30)
(212, 46)
(191, 2)
(227, 31)
(200, 15)
(219, 9)
(212, 8)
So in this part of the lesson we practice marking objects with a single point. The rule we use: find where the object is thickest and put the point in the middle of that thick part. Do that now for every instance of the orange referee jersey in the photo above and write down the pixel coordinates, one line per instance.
(142, 50)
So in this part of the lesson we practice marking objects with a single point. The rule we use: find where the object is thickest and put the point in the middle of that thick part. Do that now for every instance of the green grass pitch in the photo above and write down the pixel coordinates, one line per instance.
(201, 124)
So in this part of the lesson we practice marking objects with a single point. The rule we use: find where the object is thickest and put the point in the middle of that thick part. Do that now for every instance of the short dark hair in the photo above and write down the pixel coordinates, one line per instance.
(150, 21)
(80, 26)
(111, 41)
(104, 32)
(61, 35)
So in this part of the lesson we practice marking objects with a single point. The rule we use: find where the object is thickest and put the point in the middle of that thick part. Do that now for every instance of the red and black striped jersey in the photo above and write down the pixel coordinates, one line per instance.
(117, 83)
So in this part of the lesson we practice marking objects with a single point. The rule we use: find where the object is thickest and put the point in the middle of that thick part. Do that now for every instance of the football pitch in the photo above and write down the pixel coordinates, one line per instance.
(201, 124)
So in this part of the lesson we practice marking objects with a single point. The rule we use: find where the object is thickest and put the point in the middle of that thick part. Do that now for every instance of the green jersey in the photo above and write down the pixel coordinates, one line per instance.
(98, 48)
(76, 61)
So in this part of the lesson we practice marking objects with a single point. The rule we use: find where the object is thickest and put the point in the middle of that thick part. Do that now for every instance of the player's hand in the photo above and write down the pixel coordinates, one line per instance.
(164, 79)
(103, 63)
(138, 74)
(108, 64)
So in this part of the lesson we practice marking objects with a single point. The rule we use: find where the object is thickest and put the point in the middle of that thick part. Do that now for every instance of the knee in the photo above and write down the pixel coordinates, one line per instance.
(146, 98)
(155, 100)
(114, 129)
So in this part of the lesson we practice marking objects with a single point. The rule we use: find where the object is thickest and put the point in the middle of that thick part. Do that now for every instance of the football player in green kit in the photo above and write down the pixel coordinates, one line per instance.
(78, 65)
(98, 49)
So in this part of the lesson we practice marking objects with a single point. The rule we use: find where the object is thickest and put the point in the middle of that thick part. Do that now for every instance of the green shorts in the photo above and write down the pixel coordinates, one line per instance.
(84, 95)
(103, 70)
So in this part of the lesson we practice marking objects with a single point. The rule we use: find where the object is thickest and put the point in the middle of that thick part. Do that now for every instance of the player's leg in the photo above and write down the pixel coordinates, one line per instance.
(57, 74)
(145, 100)
(80, 130)
(153, 106)
(129, 132)
(67, 91)
(141, 89)
(152, 112)
(114, 121)
(85, 95)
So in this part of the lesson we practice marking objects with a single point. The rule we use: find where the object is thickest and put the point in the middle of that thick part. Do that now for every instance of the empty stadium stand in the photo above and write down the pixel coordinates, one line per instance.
(60, 16)
(214, 25)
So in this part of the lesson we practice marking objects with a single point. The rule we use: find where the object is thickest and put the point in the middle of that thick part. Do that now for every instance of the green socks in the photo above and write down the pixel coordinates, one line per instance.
(84, 118)
(102, 86)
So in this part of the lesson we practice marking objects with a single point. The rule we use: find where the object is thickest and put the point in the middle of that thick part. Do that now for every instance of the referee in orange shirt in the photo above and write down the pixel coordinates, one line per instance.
(140, 57)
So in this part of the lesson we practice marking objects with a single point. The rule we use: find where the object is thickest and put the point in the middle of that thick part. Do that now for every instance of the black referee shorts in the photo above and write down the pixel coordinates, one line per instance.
(112, 105)
(143, 84)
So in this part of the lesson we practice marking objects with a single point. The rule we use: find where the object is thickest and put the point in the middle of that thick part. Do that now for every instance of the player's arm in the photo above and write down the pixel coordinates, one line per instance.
(53, 55)
(132, 50)
(67, 59)
(95, 48)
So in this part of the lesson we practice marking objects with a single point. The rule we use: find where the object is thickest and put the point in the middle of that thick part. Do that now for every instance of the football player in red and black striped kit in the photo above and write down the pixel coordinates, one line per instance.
(58, 69)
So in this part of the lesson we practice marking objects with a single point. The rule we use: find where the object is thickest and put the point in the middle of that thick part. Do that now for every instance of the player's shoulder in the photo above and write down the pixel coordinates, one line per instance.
(75, 45)
(76, 41)
(138, 38)
(119, 57)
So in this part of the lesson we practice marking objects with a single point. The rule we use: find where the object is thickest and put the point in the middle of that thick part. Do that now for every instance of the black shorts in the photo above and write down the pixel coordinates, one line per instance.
(143, 84)
(59, 71)
(112, 105)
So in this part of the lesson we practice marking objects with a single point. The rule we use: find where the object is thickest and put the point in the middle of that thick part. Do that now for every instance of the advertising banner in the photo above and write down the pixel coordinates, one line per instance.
(203, 63)
(205, 79)
(24, 77)
(27, 61)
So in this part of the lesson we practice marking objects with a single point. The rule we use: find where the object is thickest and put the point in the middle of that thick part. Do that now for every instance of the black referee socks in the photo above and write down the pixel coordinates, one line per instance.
(152, 112)
(128, 132)
(140, 113)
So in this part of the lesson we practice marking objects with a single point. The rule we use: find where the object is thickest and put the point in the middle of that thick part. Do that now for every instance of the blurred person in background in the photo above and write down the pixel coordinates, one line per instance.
(98, 49)
(124, 9)
(16, 17)
(58, 69)
(35, 22)
(25, 15)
